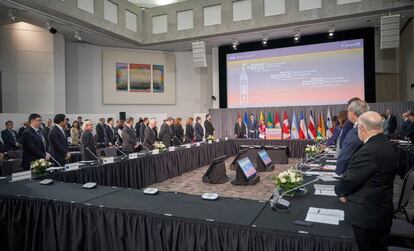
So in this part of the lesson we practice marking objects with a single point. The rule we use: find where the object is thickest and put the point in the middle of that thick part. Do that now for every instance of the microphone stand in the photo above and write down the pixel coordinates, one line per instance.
(99, 160)
(54, 159)
(179, 141)
(119, 150)
(140, 144)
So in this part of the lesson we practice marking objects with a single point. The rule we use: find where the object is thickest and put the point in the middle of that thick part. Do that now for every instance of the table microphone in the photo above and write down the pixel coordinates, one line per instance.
(54, 159)
(278, 203)
(140, 144)
(119, 150)
(191, 141)
(96, 157)
(179, 141)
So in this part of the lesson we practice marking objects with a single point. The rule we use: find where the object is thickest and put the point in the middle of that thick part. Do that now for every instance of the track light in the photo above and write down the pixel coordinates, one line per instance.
(264, 40)
(50, 28)
(331, 31)
(235, 43)
(296, 36)
(77, 35)
(12, 15)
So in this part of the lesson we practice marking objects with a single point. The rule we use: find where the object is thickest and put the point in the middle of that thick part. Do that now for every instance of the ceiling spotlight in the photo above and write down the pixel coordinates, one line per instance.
(331, 31)
(50, 28)
(77, 35)
(12, 15)
(235, 44)
(296, 36)
(264, 40)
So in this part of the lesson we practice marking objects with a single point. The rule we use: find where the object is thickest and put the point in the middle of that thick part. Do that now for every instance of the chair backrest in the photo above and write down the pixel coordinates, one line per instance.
(406, 189)
(110, 152)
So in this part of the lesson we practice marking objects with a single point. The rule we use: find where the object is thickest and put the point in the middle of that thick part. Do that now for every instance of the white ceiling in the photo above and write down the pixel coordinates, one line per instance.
(153, 3)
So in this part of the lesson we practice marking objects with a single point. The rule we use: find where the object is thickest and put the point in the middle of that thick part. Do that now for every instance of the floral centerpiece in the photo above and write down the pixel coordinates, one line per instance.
(211, 138)
(311, 150)
(38, 167)
(288, 180)
(160, 146)
(318, 140)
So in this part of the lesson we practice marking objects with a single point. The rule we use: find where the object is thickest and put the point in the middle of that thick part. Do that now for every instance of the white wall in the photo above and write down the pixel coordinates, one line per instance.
(84, 85)
(32, 62)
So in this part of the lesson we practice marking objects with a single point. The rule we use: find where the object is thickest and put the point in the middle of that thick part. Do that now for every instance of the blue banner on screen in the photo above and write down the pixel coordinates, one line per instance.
(247, 167)
(265, 157)
(316, 74)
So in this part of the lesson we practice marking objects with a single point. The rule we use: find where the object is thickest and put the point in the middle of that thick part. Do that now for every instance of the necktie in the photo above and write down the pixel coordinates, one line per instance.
(40, 135)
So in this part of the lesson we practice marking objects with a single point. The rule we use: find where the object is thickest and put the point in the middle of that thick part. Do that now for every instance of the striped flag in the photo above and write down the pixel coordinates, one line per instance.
(302, 127)
(294, 134)
(321, 126)
(277, 121)
(262, 117)
(286, 127)
(329, 125)
(311, 127)
(246, 121)
(269, 120)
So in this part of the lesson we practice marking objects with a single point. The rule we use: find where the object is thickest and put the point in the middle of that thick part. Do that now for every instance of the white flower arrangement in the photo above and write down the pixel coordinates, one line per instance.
(311, 149)
(160, 146)
(211, 138)
(39, 166)
(288, 179)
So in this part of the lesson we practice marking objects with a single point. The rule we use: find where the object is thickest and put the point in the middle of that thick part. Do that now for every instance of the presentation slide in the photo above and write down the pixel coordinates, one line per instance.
(316, 74)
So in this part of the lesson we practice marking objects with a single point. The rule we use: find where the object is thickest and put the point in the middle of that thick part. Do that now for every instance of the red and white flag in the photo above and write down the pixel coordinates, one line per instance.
(329, 125)
(286, 127)
(302, 127)
(311, 127)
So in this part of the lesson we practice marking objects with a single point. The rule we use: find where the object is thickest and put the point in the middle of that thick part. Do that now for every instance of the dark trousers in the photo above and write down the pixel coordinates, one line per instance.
(251, 135)
(371, 239)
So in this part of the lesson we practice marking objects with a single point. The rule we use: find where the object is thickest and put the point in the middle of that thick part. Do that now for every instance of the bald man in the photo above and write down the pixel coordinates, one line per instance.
(366, 187)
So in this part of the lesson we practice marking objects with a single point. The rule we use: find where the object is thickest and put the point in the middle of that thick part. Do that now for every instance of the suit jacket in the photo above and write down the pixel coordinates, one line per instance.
(100, 133)
(20, 134)
(351, 144)
(58, 145)
(10, 138)
(137, 129)
(252, 126)
(347, 127)
(109, 135)
(406, 128)
(129, 139)
(34, 147)
(368, 184)
(165, 134)
(209, 128)
(189, 133)
(199, 132)
(240, 131)
(142, 131)
(88, 141)
(179, 133)
(392, 124)
(150, 136)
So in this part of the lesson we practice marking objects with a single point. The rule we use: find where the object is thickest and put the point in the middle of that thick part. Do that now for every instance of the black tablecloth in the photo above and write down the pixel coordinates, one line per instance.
(405, 158)
(296, 146)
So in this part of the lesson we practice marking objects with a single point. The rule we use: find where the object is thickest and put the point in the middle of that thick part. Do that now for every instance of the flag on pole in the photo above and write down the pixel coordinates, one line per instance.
(262, 117)
(329, 125)
(321, 126)
(246, 119)
(294, 130)
(277, 121)
(302, 127)
(269, 120)
(311, 127)
(286, 127)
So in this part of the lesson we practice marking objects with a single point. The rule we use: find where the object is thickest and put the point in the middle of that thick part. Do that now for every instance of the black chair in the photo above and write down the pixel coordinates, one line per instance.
(401, 235)
(399, 249)
(407, 187)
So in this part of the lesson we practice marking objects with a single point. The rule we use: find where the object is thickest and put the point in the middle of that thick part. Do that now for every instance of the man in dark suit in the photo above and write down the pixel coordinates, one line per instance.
(208, 126)
(21, 131)
(129, 138)
(138, 127)
(142, 128)
(406, 125)
(252, 127)
(150, 134)
(199, 131)
(34, 145)
(347, 127)
(392, 121)
(410, 129)
(58, 143)
(367, 186)
(110, 132)
(240, 129)
(166, 134)
(10, 137)
(100, 133)
(351, 141)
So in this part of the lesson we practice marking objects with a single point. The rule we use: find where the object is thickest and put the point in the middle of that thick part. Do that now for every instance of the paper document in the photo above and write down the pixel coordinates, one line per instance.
(331, 161)
(330, 174)
(325, 216)
(328, 190)
(329, 167)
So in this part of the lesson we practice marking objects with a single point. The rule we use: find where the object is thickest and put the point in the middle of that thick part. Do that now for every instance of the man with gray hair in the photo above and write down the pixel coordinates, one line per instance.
(351, 142)
(366, 187)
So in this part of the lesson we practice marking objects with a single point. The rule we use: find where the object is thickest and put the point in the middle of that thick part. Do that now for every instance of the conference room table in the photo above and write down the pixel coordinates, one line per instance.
(405, 158)
(64, 216)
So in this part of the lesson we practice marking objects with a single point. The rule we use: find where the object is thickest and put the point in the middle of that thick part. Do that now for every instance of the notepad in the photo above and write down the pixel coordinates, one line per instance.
(325, 216)
(327, 190)
(330, 174)
(329, 167)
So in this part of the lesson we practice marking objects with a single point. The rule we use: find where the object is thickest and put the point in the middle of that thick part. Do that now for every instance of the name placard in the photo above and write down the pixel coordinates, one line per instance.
(188, 146)
(226, 138)
(155, 151)
(198, 144)
(108, 160)
(171, 148)
(21, 176)
(133, 155)
(71, 167)
(217, 140)
(210, 141)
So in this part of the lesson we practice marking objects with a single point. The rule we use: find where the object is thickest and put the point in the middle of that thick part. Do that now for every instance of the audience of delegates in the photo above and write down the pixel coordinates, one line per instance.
(166, 132)
(88, 142)
(351, 142)
(100, 133)
(151, 134)
(129, 138)
(208, 126)
(189, 131)
(110, 132)
(34, 144)
(262, 130)
(58, 143)
(199, 131)
(366, 187)
(178, 132)
(75, 133)
(252, 127)
(239, 129)
(10, 137)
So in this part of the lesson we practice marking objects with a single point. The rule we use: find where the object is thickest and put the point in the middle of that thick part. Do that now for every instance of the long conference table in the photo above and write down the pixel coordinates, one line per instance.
(64, 216)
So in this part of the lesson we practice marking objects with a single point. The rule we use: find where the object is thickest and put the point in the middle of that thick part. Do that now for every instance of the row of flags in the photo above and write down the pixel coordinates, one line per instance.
(298, 130)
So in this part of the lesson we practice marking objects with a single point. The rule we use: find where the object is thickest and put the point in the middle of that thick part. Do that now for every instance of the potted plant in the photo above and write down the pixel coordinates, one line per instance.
(38, 167)
(288, 180)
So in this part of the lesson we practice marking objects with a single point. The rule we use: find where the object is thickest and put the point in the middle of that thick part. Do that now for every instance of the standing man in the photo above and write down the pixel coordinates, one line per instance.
(100, 133)
(240, 129)
(58, 143)
(367, 185)
(142, 128)
(10, 137)
(199, 131)
(252, 127)
(392, 121)
(34, 145)
(129, 138)
(166, 133)
(208, 126)
(110, 132)
(150, 134)
(21, 131)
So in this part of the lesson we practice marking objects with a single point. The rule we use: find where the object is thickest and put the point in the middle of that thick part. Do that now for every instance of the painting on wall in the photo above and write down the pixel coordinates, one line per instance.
(140, 77)
(158, 78)
(121, 76)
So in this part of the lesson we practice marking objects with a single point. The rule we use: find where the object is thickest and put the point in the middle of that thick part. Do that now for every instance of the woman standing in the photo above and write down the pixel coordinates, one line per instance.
(178, 132)
(262, 130)
(189, 130)
(75, 133)
(88, 143)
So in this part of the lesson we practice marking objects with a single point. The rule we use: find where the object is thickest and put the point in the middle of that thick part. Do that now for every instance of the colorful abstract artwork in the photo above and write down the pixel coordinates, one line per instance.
(139, 77)
(158, 78)
(121, 77)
